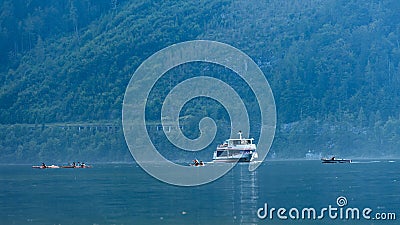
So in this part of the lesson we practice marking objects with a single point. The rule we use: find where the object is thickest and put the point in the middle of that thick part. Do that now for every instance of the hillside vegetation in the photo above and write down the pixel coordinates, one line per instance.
(333, 66)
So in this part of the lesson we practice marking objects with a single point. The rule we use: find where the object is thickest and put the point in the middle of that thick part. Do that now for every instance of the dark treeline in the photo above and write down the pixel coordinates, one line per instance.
(334, 68)
(25, 24)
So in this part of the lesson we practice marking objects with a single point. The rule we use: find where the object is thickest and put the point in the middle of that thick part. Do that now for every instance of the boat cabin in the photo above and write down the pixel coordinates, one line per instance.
(234, 142)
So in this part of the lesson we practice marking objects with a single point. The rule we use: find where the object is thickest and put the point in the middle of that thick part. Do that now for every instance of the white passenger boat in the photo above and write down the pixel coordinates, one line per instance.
(233, 150)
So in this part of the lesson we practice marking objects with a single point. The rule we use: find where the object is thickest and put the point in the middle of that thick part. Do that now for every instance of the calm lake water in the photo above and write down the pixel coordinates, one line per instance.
(125, 194)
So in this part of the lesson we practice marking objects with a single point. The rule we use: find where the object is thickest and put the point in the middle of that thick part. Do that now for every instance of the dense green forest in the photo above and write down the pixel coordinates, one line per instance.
(333, 66)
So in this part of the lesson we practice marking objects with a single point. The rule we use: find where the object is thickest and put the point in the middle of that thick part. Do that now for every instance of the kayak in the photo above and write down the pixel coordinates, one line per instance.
(39, 167)
(46, 167)
(56, 167)
(68, 167)
(75, 167)
(198, 165)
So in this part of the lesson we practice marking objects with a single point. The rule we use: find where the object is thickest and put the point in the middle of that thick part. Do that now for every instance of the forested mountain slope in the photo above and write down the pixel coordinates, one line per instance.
(334, 66)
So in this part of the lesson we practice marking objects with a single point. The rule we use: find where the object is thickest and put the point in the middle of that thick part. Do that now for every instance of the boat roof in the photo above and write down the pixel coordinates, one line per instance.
(238, 139)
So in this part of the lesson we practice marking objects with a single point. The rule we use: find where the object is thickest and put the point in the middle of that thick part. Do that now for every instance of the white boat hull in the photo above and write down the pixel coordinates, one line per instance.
(241, 156)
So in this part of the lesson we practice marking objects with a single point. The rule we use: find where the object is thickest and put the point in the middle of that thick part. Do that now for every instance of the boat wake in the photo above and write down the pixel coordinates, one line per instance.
(373, 161)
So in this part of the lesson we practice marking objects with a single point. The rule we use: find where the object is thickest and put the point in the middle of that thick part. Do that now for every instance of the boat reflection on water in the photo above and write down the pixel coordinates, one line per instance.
(245, 193)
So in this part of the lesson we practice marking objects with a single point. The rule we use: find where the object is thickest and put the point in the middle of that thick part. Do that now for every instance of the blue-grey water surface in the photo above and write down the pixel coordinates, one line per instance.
(125, 194)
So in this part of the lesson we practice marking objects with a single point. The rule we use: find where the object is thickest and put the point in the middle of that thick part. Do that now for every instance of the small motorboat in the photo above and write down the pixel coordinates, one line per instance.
(335, 160)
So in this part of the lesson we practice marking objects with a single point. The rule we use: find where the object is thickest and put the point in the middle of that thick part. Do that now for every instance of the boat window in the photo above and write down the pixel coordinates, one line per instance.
(234, 153)
(221, 153)
(236, 142)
